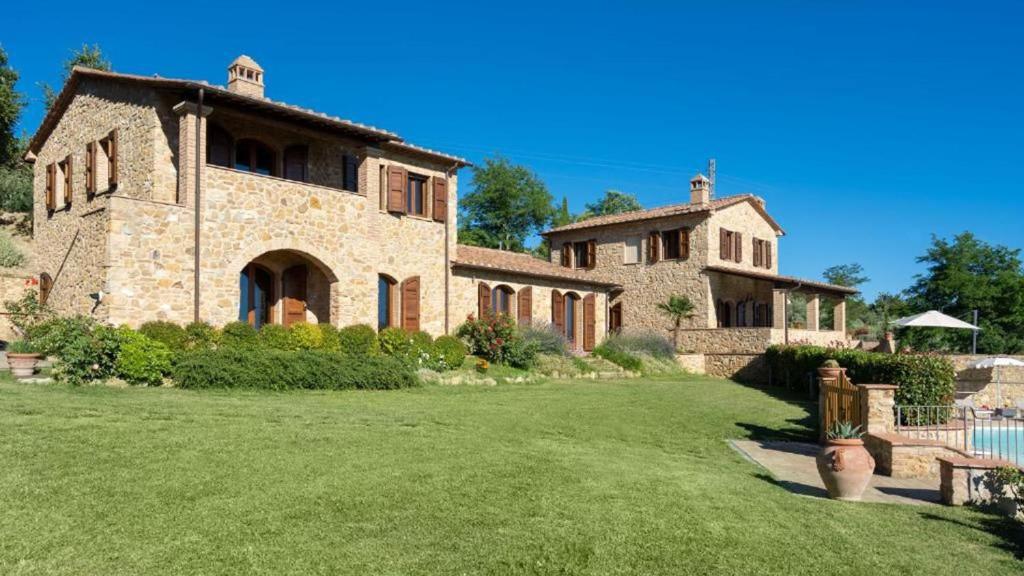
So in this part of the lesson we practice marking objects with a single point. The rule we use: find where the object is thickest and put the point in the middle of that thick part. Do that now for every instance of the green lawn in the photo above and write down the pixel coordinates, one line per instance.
(562, 478)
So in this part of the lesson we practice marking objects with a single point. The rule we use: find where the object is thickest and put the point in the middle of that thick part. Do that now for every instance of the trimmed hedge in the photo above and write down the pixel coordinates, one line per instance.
(141, 360)
(358, 339)
(286, 370)
(923, 379)
(167, 333)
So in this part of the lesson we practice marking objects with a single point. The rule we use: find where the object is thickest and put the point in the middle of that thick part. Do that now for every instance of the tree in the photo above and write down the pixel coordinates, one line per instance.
(964, 275)
(677, 308)
(508, 204)
(562, 216)
(613, 202)
(858, 314)
(87, 56)
(849, 275)
(15, 175)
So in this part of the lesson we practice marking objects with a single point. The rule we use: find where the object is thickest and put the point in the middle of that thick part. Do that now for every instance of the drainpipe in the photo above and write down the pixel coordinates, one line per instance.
(198, 218)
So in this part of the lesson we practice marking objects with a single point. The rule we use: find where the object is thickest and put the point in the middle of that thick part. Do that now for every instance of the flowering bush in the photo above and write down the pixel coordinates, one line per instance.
(496, 338)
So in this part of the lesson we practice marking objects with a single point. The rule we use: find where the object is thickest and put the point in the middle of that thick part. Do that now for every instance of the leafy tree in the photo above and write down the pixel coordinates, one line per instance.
(849, 275)
(613, 202)
(15, 175)
(507, 205)
(677, 308)
(562, 216)
(88, 56)
(858, 314)
(964, 275)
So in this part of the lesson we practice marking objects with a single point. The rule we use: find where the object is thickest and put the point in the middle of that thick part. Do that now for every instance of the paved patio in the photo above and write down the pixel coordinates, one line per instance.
(791, 465)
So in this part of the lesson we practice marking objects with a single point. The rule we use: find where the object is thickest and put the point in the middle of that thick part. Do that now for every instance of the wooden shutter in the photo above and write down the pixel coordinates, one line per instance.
(589, 322)
(45, 286)
(524, 306)
(768, 254)
(69, 179)
(396, 189)
(591, 253)
(411, 304)
(615, 318)
(51, 186)
(684, 243)
(440, 199)
(293, 282)
(737, 246)
(653, 247)
(724, 244)
(350, 173)
(295, 162)
(113, 150)
(558, 311)
(756, 253)
(567, 255)
(483, 300)
(90, 169)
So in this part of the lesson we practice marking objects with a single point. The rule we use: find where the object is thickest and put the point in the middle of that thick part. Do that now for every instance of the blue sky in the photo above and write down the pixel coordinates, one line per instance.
(867, 127)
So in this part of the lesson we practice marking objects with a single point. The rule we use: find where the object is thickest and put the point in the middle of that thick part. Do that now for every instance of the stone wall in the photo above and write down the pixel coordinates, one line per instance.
(748, 368)
(725, 340)
(997, 387)
(814, 337)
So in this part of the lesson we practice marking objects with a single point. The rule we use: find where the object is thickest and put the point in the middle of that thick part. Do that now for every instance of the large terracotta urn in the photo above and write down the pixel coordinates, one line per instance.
(23, 365)
(845, 467)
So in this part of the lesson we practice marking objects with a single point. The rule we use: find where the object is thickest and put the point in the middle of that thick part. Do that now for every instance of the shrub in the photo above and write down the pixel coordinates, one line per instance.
(238, 335)
(10, 255)
(450, 351)
(16, 189)
(332, 338)
(84, 349)
(520, 353)
(358, 339)
(394, 342)
(22, 347)
(545, 338)
(923, 379)
(167, 333)
(140, 359)
(620, 357)
(276, 337)
(200, 336)
(283, 370)
(641, 342)
(491, 336)
(26, 312)
(306, 336)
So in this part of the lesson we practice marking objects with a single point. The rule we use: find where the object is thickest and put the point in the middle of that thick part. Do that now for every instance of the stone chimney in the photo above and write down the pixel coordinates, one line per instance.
(245, 77)
(700, 190)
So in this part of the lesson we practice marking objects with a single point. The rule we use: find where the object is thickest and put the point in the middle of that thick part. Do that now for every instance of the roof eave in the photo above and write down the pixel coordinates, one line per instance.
(555, 277)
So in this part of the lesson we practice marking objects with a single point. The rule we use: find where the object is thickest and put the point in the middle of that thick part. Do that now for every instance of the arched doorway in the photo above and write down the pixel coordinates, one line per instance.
(284, 287)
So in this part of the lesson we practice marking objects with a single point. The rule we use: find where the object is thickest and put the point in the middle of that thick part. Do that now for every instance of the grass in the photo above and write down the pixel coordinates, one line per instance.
(631, 477)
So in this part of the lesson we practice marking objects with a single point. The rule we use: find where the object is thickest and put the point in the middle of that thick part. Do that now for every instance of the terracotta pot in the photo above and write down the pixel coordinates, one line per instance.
(845, 467)
(828, 372)
(22, 365)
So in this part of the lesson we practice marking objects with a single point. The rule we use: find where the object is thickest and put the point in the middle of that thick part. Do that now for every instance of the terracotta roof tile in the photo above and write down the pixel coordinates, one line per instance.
(518, 263)
(757, 275)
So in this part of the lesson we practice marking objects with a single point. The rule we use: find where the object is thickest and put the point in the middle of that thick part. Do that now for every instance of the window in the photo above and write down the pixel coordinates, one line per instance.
(741, 314)
(385, 301)
(762, 254)
(615, 318)
(501, 300)
(218, 145)
(255, 156)
(724, 312)
(296, 163)
(415, 192)
(256, 292)
(670, 240)
(725, 243)
(579, 254)
(350, 173)
(633, 249)
(570, 316)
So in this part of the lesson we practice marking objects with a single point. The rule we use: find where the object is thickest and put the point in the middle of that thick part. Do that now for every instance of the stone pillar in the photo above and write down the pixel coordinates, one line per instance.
(778, 308)
(839, 316)
(186, 112)
(877, 405)
(813, 306)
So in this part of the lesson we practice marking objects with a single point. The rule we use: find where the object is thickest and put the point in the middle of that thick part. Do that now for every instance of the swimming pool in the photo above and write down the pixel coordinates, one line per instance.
(999, 439)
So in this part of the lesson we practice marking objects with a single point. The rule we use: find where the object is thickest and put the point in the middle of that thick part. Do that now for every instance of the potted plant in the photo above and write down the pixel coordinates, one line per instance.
(22, 357)
(844, 465)
(829, 369)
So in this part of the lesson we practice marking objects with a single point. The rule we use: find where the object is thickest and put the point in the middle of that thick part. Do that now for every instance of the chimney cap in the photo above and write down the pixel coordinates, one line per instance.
(246, 61)
(700, 178)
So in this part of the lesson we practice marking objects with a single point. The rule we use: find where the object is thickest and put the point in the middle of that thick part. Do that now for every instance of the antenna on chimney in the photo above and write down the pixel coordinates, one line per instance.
(711, 176)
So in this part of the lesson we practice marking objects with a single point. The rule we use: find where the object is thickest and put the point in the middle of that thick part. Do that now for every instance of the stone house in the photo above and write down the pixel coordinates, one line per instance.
(165, 199)
(721, 253)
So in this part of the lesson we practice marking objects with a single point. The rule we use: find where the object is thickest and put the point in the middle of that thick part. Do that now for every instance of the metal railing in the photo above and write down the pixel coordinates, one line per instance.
(981, 433)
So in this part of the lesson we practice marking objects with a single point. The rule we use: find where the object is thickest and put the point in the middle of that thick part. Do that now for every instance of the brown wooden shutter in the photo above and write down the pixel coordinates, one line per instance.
(483, 300)
(755, 254)
(653, 247)
(295, 162)
(113, 150)
(396, 189)
(45, 286)
(411, 304)
(567, 255)
(589, 322)
(615, 318)
(768, 254)
(524, 306)
(738, 246)
(591, 253)
(724, 244)
(90, 169)
(69, 179)
(51, 186)
(558, 311)
(684, 243)
(440, 199)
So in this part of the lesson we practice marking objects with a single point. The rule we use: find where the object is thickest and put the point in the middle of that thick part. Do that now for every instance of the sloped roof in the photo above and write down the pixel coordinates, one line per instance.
(670, 210)
(780, 279)
(479, 258)
(216, 94)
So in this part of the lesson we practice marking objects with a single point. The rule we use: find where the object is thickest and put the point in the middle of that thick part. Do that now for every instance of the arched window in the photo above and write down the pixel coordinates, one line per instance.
(255, 156)
(501, 300)
(385, 301)
(741, 313)
(724, 312)
(218, 145)
(45, 285)
(256, 293)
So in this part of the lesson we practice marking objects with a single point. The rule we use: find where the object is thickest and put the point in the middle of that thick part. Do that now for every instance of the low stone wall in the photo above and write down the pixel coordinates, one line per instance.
(902, 457)
(692, 363)
(725, 340)
(748, 368)
(832, 338)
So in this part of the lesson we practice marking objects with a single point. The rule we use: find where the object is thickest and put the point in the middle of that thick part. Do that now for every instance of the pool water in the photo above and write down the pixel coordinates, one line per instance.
(1000, 440)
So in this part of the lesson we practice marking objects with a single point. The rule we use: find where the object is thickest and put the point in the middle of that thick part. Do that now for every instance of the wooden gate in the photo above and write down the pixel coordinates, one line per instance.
(839, 402)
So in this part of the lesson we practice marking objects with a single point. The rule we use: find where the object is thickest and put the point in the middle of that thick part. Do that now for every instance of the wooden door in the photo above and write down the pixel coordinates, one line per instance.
(294, 291)
(589, 322)
(558, 311)
(524, 306)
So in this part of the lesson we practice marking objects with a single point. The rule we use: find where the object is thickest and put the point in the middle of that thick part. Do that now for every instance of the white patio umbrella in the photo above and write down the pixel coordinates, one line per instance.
(936, 319)
(992, 363)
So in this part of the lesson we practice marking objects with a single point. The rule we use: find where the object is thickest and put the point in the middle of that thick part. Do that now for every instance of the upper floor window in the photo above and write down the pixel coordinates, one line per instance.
(296, 165)
(218, 145)
(255, 156)
(579, 254)
(730, 245)
(633, 250)
(762, 253)
(676, 244)
(415, 195)
(350, 173)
